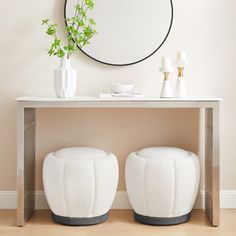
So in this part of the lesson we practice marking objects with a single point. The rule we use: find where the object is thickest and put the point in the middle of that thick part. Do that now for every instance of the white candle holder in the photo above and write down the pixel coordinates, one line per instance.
(166, 91)
(180, 87)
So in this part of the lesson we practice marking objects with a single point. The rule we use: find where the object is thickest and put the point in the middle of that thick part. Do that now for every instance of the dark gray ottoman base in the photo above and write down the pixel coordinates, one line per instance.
(161, 220)
(77, 221)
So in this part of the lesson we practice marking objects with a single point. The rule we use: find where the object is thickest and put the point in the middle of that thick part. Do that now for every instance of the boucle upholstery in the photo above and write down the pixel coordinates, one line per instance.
(162, 181)
(80, 181)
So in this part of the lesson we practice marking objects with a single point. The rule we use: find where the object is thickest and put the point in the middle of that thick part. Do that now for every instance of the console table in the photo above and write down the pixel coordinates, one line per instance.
(26, 122)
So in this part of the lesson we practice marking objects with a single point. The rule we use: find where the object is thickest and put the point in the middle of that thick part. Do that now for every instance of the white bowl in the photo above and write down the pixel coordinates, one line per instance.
(121, 88)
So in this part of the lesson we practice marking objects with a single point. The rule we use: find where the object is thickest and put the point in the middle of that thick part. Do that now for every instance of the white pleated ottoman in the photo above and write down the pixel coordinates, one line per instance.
(162, 184)
(80, 184)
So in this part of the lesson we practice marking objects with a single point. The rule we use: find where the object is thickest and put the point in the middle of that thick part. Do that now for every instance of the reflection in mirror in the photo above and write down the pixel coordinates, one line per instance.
(129, 31)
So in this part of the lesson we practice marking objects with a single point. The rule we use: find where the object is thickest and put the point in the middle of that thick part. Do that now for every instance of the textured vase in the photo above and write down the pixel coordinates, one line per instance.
(65, 81)
(180, 88)
(166, 91)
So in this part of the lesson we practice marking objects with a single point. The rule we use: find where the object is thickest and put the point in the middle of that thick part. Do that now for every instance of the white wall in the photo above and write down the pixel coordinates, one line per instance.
(205, 29)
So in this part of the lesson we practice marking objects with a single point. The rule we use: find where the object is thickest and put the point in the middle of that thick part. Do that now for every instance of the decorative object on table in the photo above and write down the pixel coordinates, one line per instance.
(65, 79)
(120, 95)
(120, 88)
(80, 184)
(166, 68)
(180, 87)
(79, 30)
(121, 91)
(162, 184)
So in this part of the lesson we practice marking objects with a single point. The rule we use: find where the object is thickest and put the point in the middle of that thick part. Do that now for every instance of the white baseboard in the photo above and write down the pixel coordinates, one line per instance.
(8, 200)
(228, 199)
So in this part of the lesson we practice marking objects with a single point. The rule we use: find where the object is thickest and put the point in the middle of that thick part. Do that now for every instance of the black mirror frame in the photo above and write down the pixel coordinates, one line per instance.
(135, 62)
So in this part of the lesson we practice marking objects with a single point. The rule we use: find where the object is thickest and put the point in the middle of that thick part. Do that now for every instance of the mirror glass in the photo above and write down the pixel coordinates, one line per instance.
(129, 31)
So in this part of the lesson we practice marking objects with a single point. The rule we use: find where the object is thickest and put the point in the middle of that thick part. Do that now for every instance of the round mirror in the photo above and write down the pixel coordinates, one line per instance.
(129, 31)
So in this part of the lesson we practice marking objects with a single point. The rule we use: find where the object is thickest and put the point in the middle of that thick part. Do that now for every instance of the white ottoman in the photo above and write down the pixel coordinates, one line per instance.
(80, 184)
(162, 184)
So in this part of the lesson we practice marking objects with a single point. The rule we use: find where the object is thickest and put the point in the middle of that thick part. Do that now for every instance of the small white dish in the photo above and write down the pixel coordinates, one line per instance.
(121, 87)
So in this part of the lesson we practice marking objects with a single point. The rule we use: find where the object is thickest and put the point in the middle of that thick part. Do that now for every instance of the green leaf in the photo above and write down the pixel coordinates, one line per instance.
(60, 53)
(50, 52)
(51, 31)
(45, 21)
(89, 3)
(92, 21)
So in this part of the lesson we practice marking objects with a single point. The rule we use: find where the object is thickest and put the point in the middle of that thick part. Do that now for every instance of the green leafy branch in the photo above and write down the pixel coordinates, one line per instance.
(80, 29)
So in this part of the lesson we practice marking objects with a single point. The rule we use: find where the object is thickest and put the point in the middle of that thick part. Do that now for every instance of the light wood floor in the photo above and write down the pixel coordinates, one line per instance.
(120, 223)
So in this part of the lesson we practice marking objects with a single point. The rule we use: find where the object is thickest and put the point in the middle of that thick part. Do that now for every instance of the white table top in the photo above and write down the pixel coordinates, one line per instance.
(97, 99)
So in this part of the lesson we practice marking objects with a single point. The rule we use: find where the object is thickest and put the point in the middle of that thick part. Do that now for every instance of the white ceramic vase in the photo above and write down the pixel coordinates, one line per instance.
(166, 91)
(180, 88)
(65, 79)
